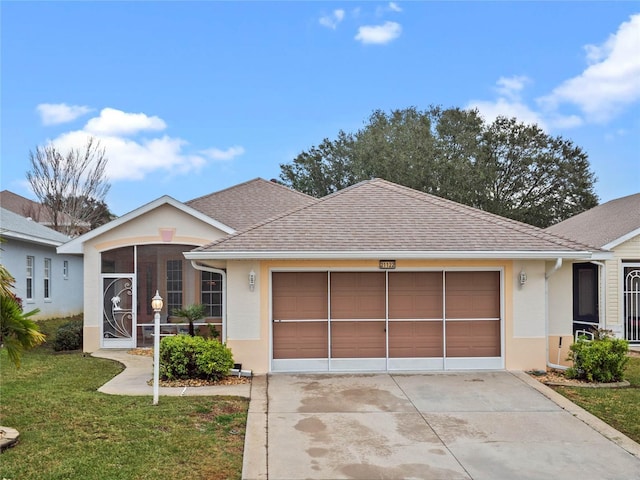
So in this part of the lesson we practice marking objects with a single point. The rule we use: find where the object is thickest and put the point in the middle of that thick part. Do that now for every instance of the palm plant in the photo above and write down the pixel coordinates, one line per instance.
(17, 331)
(192, 313)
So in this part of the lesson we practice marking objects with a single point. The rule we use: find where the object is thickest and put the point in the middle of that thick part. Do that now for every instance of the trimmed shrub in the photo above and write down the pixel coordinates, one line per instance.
(183, 357)
(68, 336)
(599, 360)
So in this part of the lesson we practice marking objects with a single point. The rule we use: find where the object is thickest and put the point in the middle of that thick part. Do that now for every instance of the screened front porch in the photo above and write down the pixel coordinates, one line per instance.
(130, 277)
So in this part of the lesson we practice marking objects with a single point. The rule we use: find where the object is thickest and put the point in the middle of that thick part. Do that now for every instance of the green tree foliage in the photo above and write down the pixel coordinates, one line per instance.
(505, 167)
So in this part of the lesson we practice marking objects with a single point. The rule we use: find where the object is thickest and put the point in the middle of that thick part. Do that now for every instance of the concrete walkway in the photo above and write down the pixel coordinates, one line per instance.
(139, 370)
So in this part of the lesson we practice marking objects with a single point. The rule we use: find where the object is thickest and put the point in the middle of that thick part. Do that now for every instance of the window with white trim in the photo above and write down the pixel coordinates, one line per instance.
(174, 285)
(47, 278)
(211, 293)
(65, 269)
(29, 278)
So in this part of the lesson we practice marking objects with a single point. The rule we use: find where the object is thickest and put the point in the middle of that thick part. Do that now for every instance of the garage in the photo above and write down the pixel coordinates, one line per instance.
(386, 320)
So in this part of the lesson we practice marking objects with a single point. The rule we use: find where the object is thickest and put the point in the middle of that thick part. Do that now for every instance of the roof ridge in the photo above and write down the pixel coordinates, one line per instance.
(261, 223)
(522, 227)
(256, 179)
(284, 214)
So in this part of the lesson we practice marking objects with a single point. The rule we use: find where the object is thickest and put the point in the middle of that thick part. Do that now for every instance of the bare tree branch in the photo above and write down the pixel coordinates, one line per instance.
(68, 185)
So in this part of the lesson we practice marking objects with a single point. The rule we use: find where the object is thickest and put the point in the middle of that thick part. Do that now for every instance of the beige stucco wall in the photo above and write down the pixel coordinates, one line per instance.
(247, 336)
(523, 307)
(525, 333)
(164, 225)
(559, 312)
(629, 250)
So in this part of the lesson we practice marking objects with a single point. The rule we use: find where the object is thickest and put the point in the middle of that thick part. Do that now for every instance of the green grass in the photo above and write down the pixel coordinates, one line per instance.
(617, 407)
(68, 430)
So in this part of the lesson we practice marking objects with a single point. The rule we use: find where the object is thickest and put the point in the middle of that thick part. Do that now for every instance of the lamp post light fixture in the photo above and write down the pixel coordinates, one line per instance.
(156, 304)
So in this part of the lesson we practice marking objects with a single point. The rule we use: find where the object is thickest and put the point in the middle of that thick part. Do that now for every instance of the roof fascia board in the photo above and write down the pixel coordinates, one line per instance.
(344, 255)
(75, 245)
(622, 239)
(31, 239)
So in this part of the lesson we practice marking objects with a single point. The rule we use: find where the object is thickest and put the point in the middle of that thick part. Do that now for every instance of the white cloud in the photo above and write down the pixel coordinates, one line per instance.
(505, 107)
(610, 83)
(379, 34)
(117, 122)
(132, 158)
(56, 113)
(511, 87)
(331, 21)
(390, 7)
(223, 155)
(510, 104)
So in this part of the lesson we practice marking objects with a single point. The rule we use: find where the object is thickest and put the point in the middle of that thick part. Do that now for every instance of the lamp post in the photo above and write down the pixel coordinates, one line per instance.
(156, 304)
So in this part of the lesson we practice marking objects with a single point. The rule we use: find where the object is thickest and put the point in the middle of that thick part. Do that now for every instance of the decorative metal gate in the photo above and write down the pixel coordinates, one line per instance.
(118, 311)
(632, 302)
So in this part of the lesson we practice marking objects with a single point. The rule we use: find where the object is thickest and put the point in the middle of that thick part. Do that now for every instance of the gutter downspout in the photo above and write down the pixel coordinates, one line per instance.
(602, 293)
(223, 273)
(555, 268)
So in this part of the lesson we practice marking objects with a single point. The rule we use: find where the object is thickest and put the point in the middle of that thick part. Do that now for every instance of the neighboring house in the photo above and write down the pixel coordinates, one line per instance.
(36, 211)
(374, 277)
(607, 294)
(44, 279)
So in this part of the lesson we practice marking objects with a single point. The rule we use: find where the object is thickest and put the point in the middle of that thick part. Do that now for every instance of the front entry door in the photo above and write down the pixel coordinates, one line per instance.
(585, 297)
(631, 292)
(118, 311)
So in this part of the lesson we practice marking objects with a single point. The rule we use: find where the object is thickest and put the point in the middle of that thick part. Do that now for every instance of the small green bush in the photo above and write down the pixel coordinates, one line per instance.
(599, 360)
(68, 336)
(183, 357)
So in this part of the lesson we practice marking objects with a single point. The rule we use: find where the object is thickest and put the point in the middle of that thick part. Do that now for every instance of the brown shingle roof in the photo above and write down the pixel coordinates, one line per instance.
(603, 224)
(380, 216)
(246, 204)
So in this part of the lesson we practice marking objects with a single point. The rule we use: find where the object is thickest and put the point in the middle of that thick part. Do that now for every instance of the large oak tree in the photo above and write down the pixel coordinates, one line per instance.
(504, 167)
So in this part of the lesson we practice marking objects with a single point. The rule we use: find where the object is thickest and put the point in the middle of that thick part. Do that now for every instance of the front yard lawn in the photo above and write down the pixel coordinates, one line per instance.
(619, 407)
(69, 430)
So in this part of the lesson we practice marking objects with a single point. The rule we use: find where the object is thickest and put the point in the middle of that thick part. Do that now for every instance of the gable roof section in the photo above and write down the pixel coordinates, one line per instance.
(75, 245)
(604, 226)
(17, 227)
(249, 203)
(376, 218)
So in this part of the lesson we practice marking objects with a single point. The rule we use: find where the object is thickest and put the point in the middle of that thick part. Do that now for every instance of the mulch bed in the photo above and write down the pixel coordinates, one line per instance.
(191, 382)
(556, 378)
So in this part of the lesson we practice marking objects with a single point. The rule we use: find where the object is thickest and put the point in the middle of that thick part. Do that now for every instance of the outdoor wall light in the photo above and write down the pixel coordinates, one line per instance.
(252, 280)
(523, 277)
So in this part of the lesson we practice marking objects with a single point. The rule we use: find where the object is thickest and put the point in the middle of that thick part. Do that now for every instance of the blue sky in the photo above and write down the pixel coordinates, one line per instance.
(193, 97)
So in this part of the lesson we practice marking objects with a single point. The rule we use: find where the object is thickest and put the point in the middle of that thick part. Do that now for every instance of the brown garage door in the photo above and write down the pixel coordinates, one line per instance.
(300, 304)
(415, 314)
(472, 314)
(429, 316)
(358, 312)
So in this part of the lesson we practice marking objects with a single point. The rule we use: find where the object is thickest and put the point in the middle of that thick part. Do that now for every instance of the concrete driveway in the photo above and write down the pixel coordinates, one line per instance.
(488, 425)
